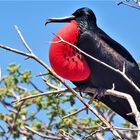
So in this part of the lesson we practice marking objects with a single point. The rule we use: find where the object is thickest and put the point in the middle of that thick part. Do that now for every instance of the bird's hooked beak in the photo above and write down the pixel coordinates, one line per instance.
(63, 19)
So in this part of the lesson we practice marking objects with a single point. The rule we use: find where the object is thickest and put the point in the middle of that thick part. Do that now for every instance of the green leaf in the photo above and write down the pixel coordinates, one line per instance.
(2, 134)
(37, 124)
(25, 76)
(13, 68)
(23, 111)
(1, 116)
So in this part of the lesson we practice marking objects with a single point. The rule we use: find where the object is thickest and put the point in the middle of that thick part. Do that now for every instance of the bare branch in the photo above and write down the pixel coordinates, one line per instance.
(124, 96)
(39, 95)
(16, 114)
(42, 135)
(74, 112)
(93, 133)
(8, 106)
(66, 135)
(132, 104)
(22, 39)
(117, 128)
(119, 94)
(129, 5)
(83, 108)
(14, 50)
(48, 83)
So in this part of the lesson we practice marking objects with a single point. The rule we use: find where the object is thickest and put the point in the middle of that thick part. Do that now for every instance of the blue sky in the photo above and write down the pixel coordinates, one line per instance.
(120, 22)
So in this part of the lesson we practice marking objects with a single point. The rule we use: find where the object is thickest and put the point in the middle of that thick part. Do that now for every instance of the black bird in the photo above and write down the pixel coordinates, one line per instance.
(82, 31)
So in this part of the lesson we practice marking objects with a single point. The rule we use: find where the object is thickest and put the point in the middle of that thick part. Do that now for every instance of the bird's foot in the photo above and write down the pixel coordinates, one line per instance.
(80, 90)
(100, 93)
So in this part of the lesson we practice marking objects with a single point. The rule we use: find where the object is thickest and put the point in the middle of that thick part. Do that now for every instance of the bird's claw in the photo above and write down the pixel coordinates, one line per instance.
(100, 93)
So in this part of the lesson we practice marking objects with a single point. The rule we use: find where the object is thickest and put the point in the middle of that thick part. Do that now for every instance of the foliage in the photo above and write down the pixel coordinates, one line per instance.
(45, 113)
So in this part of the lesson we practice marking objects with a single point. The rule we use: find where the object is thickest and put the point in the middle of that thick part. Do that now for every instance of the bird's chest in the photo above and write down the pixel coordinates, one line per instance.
(66, 61)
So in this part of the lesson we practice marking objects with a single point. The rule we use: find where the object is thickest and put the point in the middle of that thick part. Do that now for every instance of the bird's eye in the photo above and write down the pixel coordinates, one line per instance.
(79, 13)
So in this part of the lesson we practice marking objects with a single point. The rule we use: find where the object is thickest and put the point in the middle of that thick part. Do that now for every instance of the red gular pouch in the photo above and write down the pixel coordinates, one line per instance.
(65, 60)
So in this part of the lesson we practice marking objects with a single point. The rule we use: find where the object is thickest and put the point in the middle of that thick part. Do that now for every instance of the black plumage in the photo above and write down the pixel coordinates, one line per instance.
(98, 44)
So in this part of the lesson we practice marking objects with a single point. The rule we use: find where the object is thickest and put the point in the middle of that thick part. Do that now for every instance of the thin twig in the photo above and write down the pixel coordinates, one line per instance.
(42, 135)
(8, 106)
(40, 94)
(80, 110)
(93, 133)
(129, 5)
(127, 129)
(107, 129)
(34, 86)
(15, 50)
(23, 41)
(48, 83)
(117, 128)
(18, 110)
(66, 135)
(74, 112)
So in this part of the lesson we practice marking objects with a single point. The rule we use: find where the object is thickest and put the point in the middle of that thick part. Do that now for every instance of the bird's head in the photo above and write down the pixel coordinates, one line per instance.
(83, 14)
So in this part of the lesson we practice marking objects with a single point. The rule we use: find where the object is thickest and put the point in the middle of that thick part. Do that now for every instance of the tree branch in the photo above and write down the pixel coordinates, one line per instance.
(31, 55)
(23, 41)
(127, 97)
(83, 108)
(48, 83)
(137, 6)
(42, 135)
(39, 95)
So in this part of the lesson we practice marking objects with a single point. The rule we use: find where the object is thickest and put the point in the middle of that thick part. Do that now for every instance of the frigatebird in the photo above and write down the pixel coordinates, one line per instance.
(82, 30)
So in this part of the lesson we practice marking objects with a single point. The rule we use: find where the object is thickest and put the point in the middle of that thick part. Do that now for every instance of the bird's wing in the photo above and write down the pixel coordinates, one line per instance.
(116, 46)
(89, 43)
